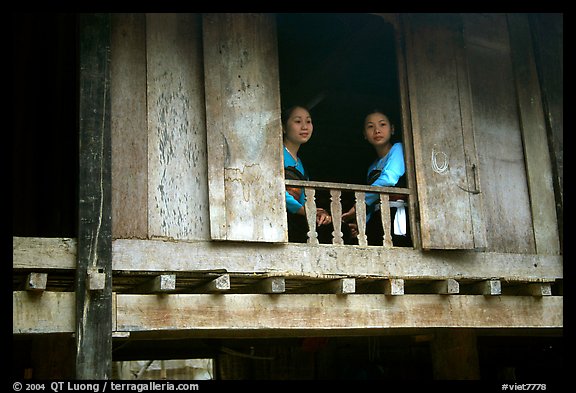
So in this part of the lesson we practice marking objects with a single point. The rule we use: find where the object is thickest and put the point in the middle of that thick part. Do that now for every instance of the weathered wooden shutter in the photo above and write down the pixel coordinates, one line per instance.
(444, 154)
(246, 184)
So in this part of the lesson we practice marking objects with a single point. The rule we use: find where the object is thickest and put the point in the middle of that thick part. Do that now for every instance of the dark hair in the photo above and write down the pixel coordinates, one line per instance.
(378, 110)
(287, 112)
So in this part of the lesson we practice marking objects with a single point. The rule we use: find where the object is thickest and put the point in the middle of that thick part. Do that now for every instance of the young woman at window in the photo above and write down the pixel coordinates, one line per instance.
(297, 128)
(386, 171)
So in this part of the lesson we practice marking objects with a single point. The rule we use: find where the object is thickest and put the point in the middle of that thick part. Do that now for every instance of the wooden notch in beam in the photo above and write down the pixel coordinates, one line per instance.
(268, 285)
(36, 282)
(491, 287)
(159, 284)
(446, 287)
(387, 286)
(339, 286)
(216, 285)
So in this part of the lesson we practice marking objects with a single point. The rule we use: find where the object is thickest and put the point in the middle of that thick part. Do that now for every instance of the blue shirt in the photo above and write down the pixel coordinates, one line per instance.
(392, 167)
(293, 205)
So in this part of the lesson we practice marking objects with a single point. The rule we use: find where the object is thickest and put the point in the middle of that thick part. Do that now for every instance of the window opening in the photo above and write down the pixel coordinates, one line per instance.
(341, 66)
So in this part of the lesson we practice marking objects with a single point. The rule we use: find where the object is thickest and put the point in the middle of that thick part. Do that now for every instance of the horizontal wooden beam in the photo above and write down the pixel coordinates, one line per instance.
(326, 259)
(330, 312)
(172, 256)
(53, 312)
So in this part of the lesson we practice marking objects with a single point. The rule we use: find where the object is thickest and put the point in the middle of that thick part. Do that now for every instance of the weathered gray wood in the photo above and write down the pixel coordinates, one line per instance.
(408, 142)
(42, 252)
(36, 282)
(177, 165)
(386, 220)
(155, 255)
(488, 287)
(218, 284)
(501, 169)
(310, 208)
(94, 308)
(246, 182)
(360, 207)
(394, 286)
(271, 285)
(339, 286)
(439, 153)
(536, 151)
(346, 187)
(294, 311)
(446, 287)
(159, 284)
(50, 312)
(129, 127)
(336, 212)
(53, 312)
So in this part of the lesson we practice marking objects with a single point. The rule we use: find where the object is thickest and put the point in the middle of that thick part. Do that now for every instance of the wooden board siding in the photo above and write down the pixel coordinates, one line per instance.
(535, 142)
(259, 315)
(502, 173)
(177, 171)
(244, 131)
(129, 126)
(432, 46)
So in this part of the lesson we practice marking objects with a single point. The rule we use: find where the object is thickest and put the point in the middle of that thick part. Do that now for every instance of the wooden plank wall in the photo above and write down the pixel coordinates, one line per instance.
(497, 133)
(244, 131)
(159, 127)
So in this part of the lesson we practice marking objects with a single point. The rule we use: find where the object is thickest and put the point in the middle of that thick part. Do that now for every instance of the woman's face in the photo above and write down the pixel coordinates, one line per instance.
(299, 126)
(377, 129)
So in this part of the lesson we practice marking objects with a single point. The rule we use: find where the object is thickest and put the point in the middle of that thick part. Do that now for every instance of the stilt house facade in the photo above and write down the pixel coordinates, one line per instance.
(182, 231)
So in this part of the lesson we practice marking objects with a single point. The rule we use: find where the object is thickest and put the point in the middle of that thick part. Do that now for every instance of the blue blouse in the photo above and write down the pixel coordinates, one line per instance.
(392, 167)
(293, 205)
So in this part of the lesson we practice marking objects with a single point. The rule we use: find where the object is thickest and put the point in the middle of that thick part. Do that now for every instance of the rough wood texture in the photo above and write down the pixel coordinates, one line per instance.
(47, 253)
(129, 126)
(536, 151)
(284, 312)
(155, 255)
(94, 308)
(439, 147)
(501, 170)
(49, 312)
(177, 166)
(246, 186)
(36, 282)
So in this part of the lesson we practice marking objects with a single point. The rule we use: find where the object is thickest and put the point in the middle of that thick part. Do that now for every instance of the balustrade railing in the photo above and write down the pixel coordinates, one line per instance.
(359, 192)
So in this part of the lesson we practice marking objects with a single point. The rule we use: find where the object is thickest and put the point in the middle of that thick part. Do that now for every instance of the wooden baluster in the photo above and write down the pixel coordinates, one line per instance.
(310, 207)
(336, 210)
(386, 224)
(361, 218)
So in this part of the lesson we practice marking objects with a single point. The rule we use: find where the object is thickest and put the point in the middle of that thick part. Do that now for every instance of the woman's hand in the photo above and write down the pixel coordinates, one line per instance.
(350, 215)
(322, 217)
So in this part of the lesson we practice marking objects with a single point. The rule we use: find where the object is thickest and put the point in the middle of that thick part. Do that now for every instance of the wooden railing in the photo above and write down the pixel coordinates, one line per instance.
(359, 192)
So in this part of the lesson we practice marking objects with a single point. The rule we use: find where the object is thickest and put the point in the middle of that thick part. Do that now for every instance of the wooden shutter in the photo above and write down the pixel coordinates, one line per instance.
(443, 144)
(246, 183)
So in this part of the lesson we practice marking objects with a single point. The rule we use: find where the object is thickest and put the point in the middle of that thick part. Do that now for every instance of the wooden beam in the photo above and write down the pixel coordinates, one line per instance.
(218, 284)
(283, 313)
(266, 285)
(36, 282)
(44, 253)
(93, 286)
(53, 312)
(158, 255)
(446, 287)
(159, 284)
(488, 287)
(49, 312)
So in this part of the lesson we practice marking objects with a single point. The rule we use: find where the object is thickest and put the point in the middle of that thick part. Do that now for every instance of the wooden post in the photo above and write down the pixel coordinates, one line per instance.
(455, 355)
(94, 264)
